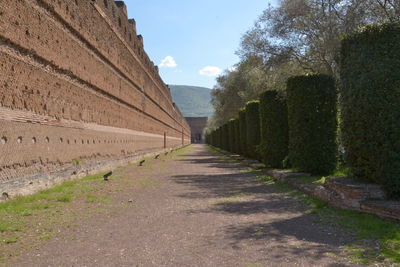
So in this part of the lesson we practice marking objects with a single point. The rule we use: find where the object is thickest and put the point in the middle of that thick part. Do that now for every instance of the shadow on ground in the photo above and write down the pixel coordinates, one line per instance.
(285, 224)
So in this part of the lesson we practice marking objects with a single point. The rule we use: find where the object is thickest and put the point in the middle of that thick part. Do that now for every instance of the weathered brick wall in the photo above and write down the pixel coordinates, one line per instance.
(77, 86)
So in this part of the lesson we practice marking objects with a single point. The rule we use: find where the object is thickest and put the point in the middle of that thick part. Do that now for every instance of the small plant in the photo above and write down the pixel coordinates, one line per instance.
(78, 161)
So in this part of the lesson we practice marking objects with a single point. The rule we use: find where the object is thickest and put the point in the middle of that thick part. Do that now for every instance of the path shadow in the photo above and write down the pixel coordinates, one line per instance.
(287, 219)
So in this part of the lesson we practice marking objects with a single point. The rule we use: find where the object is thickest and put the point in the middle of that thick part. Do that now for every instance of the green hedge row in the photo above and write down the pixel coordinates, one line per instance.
(252, 128)
(232, 136)
(243, 131)
(301, 128)
(370, 104)
(274, 129)
(312, 101)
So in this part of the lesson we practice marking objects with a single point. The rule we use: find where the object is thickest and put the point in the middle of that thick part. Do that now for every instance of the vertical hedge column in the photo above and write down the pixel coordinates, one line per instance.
(242, 128)
(370, 104)
(237, 134)
(253, 128)
(311, 101)
(232, 136)
(225, 137)
(219, 138)
(274, 128)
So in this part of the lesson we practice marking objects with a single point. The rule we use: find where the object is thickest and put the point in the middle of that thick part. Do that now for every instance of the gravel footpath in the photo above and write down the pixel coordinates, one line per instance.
(195, 209)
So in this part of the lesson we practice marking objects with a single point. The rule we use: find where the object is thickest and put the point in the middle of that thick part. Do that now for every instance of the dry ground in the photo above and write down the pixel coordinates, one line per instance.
(193, 208)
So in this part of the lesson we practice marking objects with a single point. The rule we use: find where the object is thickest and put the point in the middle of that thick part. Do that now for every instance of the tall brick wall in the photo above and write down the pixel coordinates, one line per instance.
(78, 93)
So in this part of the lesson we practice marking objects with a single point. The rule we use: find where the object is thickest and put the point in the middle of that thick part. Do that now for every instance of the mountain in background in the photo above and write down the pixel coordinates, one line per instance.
(192, 101)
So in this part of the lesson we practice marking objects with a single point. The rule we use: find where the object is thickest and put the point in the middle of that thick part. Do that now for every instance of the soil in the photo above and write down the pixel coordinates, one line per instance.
(194, 209)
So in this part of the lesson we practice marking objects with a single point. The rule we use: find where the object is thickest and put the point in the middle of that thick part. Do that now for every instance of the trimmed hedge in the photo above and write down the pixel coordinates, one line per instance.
(274, 129)
(253, 128)
(370, 104)
(312, 101)
(232, 135)
(237, 135)
(225, 137)
(243, 131)
(219, 138)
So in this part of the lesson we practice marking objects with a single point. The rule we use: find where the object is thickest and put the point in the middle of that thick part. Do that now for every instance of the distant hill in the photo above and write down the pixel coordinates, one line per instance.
(192, 101)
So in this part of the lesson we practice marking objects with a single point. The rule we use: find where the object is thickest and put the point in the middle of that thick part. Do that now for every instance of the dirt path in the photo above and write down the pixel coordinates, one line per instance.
(194, 210)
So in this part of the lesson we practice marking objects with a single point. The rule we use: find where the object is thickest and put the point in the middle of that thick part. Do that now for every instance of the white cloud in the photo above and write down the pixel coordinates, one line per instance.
(232, 69)
(210, 71)
(168, 62)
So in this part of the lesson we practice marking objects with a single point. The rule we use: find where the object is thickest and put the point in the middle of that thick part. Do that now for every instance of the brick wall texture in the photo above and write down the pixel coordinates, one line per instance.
(77, 93)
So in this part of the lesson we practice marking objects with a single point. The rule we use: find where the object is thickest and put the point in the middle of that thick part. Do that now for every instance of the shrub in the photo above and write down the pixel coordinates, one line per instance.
(237, 135)
(218, 138)
(225, 137)
(232, 135)
(274, 129)
(253, 128)
(242, 130)
(312, 101)
(370, 104)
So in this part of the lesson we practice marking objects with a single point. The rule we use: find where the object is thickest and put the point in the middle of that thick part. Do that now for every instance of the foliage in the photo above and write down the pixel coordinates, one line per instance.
(253, 128)
(308, 31)
(237, 135)
(232, 135)
(292, 38)
(243, 131)
(274, 128)
(311, 101)
(370, 97)
(234, 88)
(225, 137)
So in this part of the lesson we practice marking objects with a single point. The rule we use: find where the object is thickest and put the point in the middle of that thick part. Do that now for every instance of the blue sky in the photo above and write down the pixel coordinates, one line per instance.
(195, 38)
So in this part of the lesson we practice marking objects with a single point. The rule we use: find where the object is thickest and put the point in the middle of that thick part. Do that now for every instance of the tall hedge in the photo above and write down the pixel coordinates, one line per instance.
(274, 128)
(237, 135)
(312, 101)
(219, 137)
(243, 131)
(225, 137)
(253, 128)
(232, 136)
(370, 104)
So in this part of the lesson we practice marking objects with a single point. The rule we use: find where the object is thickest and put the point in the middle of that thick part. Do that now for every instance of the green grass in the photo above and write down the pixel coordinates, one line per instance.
(93, 198)
(11, 240)
(78, 161)
(316, 180)
(43, 201)
(367, 229)
(342, 171)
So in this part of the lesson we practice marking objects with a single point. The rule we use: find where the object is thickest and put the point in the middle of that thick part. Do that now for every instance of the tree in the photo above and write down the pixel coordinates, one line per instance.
(309, 31)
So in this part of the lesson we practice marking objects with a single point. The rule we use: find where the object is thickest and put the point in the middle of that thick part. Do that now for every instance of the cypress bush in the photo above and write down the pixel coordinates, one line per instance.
(237, 135)
(274, 129)
(232, 136)
(225, 137)
(242, 130)
(312, 101)
(370, 104)
(253, 128)
(213, 137)
(218, 139)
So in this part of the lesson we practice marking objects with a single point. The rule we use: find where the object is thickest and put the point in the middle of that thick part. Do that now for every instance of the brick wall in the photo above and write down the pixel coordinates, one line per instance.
(77, 86)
